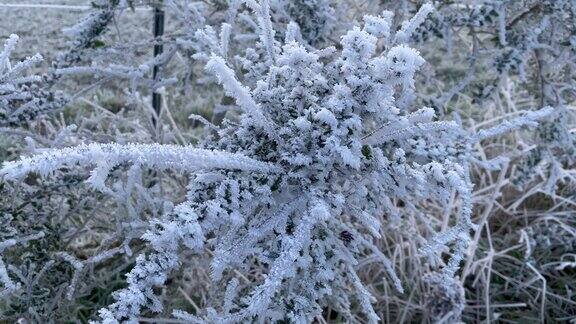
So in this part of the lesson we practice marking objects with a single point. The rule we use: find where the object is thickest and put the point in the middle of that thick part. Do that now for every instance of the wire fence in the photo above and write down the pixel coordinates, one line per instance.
(57, 6)
(149, 5)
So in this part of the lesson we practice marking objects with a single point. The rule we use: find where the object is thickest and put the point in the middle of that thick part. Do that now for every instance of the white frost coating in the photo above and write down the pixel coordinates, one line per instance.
(157, 156)
(281, 268)
(5, 280)
(385, 135)
(21, 240)
(399, 65)
(217, 66)
(502, 25)
(528, 119)
(408, 27)
(327, 117)
(225, 39)
(302, 123)
(9, 46)
(379, 26)
(18, 98)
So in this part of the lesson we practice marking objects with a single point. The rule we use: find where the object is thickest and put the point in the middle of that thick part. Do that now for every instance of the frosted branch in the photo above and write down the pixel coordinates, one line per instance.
(529, 119)
(107, 156)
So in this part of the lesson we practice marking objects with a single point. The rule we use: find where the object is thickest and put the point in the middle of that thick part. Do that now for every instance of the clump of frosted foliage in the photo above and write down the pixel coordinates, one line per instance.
(84, 33)
(21, 97)
(535, 43)
(298, 184)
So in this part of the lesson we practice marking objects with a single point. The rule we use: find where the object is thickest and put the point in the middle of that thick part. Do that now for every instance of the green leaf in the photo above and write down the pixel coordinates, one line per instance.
(98, 43)
(367, 151)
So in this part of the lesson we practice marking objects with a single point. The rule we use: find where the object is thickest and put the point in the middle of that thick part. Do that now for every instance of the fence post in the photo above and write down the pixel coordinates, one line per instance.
(158, 49)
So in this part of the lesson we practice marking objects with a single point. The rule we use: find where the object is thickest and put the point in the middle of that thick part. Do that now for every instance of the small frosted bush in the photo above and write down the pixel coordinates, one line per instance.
(22, 97)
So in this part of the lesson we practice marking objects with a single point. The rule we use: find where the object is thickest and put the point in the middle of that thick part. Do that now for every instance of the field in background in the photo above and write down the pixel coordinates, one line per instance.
(40, 26)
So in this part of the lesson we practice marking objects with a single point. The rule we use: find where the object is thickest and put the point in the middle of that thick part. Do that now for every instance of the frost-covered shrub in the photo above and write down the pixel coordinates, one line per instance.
(73, 220)
(84, 35)
(489, 60)
(516, 50)
(551, 160)
(31, 276)
(22, 96)
(319, 148)
(94, 49)
(335, 129)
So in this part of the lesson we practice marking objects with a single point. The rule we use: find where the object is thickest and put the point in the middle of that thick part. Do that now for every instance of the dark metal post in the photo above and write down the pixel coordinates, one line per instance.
(158, 49)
